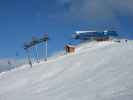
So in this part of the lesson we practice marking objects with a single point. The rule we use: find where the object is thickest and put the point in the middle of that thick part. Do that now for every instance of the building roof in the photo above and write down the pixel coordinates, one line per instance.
(80, 32)
(69, 45)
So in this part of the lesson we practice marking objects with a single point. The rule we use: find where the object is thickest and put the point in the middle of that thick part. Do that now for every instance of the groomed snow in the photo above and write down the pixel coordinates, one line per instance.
(96, 71)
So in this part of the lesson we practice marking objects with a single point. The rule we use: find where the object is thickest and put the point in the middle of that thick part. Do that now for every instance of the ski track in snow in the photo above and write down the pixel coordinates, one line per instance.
(96, 71)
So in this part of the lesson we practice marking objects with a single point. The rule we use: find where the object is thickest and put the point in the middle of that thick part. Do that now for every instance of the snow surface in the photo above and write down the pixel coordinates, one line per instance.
(4, 66)
(96, 71)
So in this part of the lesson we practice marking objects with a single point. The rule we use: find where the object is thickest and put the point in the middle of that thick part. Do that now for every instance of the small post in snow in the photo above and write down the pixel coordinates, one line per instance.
(29, 59)
(26, 48)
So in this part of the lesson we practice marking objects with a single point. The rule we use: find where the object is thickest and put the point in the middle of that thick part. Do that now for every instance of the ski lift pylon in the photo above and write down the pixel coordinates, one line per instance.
(34, 42)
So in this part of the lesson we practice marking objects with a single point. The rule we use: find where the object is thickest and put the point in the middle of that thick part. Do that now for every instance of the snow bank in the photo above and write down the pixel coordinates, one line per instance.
(96, 71)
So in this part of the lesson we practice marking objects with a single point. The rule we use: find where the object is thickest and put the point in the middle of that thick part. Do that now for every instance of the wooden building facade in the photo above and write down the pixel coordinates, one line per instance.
(69, 48)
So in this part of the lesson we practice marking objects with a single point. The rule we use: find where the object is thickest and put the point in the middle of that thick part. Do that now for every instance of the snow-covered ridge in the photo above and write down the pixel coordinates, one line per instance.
(96, 71)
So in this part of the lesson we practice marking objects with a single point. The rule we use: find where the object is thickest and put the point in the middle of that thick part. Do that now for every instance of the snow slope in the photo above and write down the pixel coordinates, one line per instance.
(97, 71)
(4, 66)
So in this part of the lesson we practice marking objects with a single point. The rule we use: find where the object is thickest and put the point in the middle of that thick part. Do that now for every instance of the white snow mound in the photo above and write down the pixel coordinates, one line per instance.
(96, 71)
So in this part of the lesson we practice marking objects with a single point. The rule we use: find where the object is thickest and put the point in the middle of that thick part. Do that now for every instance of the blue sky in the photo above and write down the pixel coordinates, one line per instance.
(22, 19)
